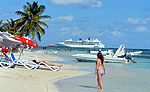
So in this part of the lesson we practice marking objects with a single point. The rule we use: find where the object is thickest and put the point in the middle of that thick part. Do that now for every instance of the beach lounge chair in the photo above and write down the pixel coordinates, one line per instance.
(12, 62)
(6, 62)
(42, 64)
(34, 65)
(24, 63)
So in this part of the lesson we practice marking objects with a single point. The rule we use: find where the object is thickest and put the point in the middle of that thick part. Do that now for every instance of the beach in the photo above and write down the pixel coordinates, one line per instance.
(74, 76)
(62, 45)
(19, 79)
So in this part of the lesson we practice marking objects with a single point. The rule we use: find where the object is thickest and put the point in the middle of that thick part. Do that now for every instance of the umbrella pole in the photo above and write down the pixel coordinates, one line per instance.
(21, 53)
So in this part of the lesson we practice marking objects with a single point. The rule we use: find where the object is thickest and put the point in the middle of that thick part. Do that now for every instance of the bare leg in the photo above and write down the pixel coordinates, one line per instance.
(50, 64)
(99, 80)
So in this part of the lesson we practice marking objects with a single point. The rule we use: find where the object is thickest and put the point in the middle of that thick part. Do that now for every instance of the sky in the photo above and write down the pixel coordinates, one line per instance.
(114, 22)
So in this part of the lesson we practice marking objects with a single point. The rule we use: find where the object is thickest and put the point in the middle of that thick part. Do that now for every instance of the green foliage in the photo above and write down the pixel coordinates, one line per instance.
(31, 21)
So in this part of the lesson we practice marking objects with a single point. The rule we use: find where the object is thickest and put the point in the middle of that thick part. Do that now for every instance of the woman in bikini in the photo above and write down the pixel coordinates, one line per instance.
(100, 70)
(46, 62)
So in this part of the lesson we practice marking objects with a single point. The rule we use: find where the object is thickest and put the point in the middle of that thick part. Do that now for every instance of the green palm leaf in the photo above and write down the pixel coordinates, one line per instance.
(38, 36)
(44, 17)
(21, 13)
(40, 29)
(43, 23)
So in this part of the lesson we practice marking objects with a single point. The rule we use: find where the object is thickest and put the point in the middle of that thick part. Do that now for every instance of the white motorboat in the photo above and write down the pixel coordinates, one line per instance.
(109, 56)
(121, 51)
(135, 53)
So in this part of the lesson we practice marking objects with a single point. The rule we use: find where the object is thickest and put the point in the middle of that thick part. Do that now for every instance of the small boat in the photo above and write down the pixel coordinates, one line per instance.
(109, 56)
(52, 45)
(135, 53)
(121, 51)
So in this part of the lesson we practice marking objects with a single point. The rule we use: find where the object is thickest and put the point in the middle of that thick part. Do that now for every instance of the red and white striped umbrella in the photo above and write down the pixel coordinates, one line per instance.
(25, 40)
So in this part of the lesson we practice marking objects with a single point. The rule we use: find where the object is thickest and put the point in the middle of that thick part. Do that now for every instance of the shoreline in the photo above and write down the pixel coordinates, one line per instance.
(53, 85)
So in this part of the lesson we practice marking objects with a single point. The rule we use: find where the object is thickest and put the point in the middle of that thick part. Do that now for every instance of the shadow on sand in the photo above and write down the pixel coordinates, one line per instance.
(93, 87)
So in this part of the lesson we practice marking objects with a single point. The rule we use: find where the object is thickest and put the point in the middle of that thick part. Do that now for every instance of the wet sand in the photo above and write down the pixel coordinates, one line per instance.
(118, 78)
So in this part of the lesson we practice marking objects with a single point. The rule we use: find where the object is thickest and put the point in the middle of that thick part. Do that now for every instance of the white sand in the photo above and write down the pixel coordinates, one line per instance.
(20, 79)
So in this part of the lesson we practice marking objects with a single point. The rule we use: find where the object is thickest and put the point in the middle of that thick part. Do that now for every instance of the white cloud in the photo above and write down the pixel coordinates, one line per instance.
(67, 18)
(116, 33)
(91, 3)
(133, 20)
(64, 29)
(98, 4)
(137, 21)
(142, 29)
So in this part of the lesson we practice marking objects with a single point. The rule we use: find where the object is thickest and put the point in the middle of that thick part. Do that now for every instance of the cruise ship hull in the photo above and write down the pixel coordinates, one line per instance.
(82, 46)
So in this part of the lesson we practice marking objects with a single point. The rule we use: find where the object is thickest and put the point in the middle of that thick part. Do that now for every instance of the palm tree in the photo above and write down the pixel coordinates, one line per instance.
(1, 28)
(2, 25)
(11, 26)
(31, 21)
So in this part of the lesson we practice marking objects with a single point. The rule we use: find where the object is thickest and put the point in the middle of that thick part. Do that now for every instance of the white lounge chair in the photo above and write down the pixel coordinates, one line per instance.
(12, 62)
(24, 63)
(34, 65)
(6, 63)
(42, 64)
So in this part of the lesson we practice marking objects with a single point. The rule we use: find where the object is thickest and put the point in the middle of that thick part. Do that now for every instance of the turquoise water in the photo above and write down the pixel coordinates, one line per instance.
(119, 77)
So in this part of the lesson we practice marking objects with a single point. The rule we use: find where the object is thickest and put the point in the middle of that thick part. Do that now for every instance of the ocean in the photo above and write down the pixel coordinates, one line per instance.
(119, 77)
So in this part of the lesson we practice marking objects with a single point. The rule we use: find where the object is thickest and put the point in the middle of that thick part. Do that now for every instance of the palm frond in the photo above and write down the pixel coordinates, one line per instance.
(20, 13)
(38, 36)
(20, 22)
(41, 9)
(24, 29)
(32, 32)
(29, 5)
(39, 29)
(44, 17)
(1, 21)
(43, 23)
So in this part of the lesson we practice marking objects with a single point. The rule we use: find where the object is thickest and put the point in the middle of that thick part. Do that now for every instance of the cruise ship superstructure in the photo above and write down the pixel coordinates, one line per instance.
(89, 43)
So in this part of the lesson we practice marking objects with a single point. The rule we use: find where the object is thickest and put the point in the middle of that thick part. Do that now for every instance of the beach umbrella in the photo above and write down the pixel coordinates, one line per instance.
(25, 40)
(6, 40)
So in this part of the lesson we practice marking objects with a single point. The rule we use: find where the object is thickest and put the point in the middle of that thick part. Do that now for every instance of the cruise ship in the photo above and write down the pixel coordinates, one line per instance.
(89, 43)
